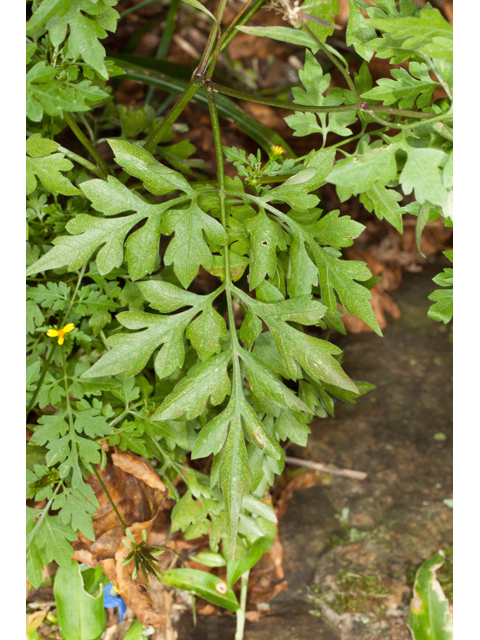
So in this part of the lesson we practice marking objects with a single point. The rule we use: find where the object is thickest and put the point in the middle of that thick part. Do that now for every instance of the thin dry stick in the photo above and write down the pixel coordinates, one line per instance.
(325, 468)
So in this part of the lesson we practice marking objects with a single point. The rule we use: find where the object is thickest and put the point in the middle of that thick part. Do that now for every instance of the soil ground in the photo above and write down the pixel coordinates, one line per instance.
(352, 548)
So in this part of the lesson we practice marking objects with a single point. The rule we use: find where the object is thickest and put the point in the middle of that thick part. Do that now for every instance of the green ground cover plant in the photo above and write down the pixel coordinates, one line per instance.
(119, 345)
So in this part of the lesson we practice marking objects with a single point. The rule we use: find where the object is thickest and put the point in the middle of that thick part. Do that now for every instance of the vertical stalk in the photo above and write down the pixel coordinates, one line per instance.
(86, 143)
(344, 71)
(221, 40)
(243, 605)
(211, 40)
(223, 217)
(110, 498)
(31, 404)
(239, 20)
(182, 101)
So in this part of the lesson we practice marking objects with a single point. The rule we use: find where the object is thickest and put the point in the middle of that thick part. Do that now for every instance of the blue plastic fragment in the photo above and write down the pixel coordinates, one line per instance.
(112, 600)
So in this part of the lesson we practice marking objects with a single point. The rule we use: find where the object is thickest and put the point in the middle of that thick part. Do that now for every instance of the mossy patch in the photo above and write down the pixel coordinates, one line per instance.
(355, 591)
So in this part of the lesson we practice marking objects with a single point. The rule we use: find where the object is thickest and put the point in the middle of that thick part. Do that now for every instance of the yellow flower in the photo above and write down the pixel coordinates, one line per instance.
(53, 333)
(277, 151)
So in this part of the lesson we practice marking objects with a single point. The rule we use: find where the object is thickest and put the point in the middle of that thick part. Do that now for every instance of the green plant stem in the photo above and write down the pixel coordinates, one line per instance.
(440, 78)
(344, 71)
(359, 135)
(83, 161)
(230, 33)
(223, 217)
(180, 104)
(99, 478)
(31, 404)
(77, 286)
(200, 72)
(263, 135)
(136, 7)
(445, 131)
(243, 605)
(164, 45)
(67, 395)
(397, 125)
(307, 107)
(218, 48)
(280, 103)
(86, 143)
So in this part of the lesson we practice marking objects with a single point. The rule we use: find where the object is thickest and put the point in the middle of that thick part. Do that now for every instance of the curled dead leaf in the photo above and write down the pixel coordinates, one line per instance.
(134, 592)
(139, 495)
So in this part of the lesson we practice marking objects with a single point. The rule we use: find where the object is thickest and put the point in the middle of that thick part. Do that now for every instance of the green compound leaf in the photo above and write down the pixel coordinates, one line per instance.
(359, 31)
(206, 332)
(361, 171)
(428, 32)
(138, 162)
(53, 96)
(188, 249)
(384, 202)
(336, 276)
(343, 277)
(442, 309)
(89, 234)
(81, 615)
(66, 446)
(46, 10)
(316, 83)
(226, 433)
(129, 353)
(47, 167)
(323, 11)
(429, 617)
(406, 89)
(312, 354)
(265, 236)
(205, 381)
(423, 175)
(235, 478)
(47, 540)
(84, 31)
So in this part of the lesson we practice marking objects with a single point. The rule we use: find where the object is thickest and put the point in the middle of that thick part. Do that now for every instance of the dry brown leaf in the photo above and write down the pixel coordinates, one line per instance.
(134, 592)
(276, 556)
(139, 495)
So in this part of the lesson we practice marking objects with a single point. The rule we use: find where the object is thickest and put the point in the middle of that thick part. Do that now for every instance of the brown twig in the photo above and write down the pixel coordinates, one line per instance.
(325, 468)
